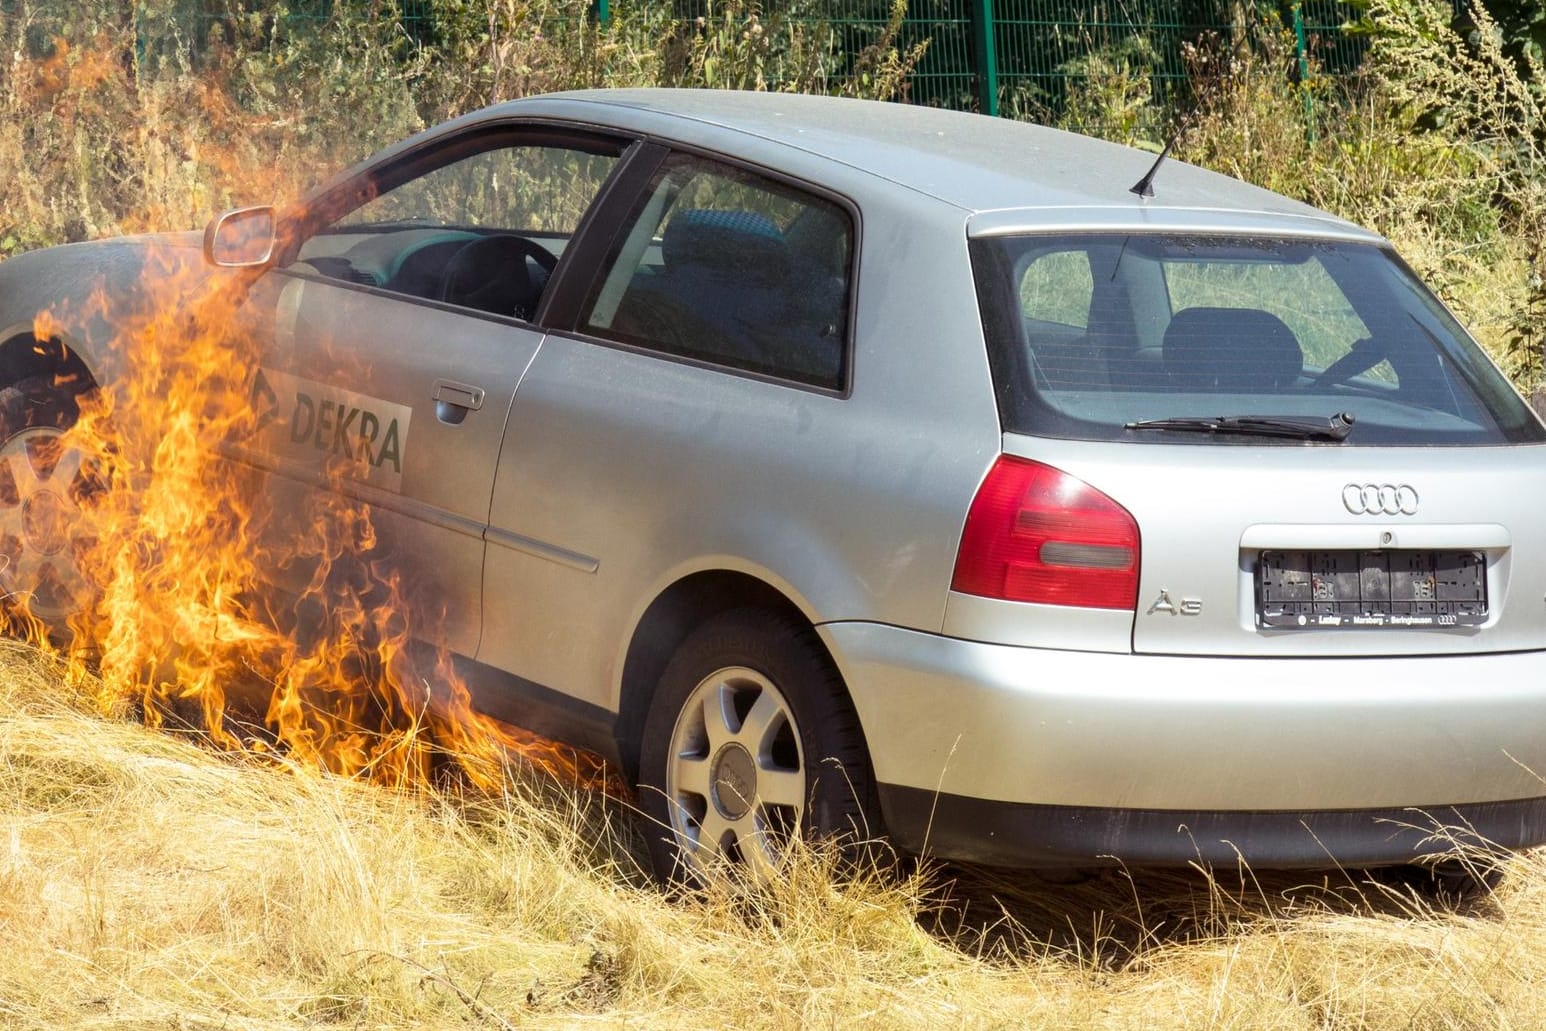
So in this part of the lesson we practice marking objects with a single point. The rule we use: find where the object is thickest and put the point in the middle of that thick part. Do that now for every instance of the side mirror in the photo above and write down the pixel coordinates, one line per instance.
(243, 238)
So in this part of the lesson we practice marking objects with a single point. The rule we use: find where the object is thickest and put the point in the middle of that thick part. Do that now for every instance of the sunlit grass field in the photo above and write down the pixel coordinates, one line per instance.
(148, 882)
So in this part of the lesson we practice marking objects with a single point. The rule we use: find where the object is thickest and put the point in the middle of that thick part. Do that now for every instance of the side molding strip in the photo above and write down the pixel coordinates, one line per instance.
(525, 545)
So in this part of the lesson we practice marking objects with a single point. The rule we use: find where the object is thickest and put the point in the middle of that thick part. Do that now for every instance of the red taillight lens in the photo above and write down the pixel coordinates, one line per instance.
(1035, 533)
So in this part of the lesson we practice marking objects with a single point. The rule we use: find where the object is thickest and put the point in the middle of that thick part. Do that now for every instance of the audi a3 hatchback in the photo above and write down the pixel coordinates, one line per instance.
(872, 470)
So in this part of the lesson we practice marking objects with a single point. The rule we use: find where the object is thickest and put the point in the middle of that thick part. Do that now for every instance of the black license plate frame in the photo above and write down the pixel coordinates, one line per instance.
(1320, 589)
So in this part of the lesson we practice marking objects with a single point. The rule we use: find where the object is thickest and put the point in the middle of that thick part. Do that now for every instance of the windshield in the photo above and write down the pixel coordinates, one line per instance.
(1152, 337)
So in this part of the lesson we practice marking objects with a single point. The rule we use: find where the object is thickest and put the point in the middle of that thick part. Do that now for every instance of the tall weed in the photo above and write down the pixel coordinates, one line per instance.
(123, 116)
(1469, 92)
(1111, 94)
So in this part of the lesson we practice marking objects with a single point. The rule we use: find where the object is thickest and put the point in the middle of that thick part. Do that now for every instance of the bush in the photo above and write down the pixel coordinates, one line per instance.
(1467, 93)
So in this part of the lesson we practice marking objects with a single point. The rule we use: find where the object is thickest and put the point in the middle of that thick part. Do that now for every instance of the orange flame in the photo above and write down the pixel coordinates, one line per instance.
(179, 614)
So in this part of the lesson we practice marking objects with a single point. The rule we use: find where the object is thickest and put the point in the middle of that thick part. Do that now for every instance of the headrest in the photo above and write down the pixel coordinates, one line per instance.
(741, 242)
(1231, 349)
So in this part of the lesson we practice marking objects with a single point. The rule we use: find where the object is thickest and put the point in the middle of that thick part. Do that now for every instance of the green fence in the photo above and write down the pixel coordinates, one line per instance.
(1035, 49)
(1020, 56)
(1016, 57)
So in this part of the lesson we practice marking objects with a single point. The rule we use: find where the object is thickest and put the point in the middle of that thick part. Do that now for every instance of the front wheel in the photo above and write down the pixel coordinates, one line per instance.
(750, 742)
(46, 484)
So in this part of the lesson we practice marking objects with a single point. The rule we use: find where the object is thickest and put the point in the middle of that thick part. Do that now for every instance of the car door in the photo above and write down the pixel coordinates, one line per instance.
(675, 406)
(397, 336)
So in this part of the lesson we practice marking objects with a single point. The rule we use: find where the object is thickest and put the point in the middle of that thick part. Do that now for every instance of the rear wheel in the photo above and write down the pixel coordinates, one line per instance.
(750, 741)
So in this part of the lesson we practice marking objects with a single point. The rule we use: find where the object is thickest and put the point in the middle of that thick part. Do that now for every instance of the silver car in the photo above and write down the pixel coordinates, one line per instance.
(879, 470)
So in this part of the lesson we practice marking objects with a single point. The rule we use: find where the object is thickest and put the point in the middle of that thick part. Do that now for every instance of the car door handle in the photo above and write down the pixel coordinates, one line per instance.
(454, 400)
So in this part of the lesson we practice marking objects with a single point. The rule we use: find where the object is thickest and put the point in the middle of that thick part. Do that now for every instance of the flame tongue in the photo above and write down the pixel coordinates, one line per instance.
(171, 554)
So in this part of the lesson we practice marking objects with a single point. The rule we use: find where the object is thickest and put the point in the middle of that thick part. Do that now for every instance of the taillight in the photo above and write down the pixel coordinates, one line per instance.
(1035, 533)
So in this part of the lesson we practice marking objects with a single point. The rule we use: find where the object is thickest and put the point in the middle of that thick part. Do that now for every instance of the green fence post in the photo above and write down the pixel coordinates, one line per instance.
(1302, 51)
(987, 57)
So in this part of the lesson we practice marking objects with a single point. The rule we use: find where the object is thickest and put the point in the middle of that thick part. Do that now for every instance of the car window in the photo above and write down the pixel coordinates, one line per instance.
(1191, 328)
(725, 266)
(483, 231)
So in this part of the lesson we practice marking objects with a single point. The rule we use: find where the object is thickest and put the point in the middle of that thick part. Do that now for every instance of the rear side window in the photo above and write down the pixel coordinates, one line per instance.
(724, 266)
(1093, 334)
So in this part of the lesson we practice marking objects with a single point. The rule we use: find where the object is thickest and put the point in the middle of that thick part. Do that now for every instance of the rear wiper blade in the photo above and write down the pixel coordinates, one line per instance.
(1295, 427)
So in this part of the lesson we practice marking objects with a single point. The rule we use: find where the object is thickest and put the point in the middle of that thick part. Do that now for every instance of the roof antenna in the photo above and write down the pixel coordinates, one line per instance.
(1145, 186)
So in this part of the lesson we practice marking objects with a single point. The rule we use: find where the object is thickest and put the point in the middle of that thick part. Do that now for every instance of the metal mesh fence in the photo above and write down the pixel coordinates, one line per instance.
(1021, 56)
(1329, 43)
(1002, 56)
(1044, 47)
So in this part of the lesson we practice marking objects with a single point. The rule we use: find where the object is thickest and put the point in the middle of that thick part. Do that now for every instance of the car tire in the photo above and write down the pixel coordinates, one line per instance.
(45, 484)
(750, 742)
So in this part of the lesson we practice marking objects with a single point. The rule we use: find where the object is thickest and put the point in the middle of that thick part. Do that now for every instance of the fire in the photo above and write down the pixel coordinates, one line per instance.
(178, 615)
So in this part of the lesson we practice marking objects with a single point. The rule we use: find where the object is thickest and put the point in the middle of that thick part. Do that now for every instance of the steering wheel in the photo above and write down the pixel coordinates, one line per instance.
(490, 274)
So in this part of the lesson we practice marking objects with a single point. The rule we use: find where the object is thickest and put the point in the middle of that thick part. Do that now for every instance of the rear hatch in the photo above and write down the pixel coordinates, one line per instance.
(1312, 456)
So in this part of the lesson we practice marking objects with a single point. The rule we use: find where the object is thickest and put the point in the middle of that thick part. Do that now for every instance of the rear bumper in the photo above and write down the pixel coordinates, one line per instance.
(1034, 755)
(1012, 834)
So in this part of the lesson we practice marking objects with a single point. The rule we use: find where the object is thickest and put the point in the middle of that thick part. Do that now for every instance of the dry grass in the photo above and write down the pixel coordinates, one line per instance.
(146, 882)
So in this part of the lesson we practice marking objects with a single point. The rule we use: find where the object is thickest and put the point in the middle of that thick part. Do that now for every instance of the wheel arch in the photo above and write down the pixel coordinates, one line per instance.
(53, 358)
(667, 622)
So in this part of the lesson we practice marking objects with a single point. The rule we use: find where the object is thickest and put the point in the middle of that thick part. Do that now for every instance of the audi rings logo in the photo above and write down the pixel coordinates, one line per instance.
(1380, 499)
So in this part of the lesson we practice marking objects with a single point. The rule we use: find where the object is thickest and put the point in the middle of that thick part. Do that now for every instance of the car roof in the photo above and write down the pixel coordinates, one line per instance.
(977, 163)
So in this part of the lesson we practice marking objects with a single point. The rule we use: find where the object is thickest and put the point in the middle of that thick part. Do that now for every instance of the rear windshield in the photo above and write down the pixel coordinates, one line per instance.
(1156, 337)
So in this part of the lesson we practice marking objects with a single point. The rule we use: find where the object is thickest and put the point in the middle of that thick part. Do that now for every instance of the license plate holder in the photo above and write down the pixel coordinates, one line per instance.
(1317, 590)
